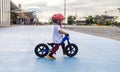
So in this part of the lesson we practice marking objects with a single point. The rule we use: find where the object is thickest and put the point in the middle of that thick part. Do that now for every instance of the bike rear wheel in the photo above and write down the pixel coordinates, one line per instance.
(71, 50)
(41, 50)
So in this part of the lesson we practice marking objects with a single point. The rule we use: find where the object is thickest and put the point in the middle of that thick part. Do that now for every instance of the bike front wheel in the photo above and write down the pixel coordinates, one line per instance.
(41, 50)
(71, 50)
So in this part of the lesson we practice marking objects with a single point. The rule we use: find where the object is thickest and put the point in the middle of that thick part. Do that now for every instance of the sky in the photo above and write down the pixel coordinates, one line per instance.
(44, 9)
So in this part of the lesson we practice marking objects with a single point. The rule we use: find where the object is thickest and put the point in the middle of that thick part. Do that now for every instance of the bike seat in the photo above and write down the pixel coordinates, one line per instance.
(51, 44)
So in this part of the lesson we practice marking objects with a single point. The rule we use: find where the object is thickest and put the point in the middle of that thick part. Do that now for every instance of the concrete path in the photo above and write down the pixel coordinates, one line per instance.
(96, 54)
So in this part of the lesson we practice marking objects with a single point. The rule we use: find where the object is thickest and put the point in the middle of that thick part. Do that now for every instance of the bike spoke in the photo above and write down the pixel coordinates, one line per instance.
(40, 49)
(41, 53)
(71, 50)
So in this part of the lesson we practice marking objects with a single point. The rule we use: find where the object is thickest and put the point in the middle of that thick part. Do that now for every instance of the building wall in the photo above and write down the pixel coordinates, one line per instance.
(4, 12)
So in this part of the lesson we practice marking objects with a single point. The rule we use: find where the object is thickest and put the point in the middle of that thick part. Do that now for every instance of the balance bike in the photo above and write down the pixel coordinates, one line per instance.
(42, 49)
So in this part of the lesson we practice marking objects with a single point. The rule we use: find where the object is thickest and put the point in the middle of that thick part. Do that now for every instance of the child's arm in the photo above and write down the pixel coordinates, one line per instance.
(62, 32)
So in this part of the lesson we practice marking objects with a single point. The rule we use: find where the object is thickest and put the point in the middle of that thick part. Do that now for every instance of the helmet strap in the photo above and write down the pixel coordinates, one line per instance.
(60, 24)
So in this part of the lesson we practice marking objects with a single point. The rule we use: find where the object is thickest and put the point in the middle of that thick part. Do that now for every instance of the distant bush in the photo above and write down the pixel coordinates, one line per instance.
(108, 23)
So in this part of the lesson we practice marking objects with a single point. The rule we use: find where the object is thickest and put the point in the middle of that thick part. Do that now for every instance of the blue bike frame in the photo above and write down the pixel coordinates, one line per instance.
(66, 38)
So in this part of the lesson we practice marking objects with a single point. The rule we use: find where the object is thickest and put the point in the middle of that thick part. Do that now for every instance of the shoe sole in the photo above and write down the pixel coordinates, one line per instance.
(50, 58)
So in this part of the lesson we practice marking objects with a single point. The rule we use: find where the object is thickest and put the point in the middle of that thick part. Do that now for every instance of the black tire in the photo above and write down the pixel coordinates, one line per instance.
(71, 50)
(39, 50)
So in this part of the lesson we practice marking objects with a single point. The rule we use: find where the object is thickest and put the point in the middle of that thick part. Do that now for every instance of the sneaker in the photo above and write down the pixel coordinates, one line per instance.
(64, 54)
(51, 57)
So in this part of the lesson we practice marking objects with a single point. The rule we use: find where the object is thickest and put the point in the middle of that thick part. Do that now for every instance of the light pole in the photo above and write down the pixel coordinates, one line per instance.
(118, 9)
(65, 9)
(76, 9)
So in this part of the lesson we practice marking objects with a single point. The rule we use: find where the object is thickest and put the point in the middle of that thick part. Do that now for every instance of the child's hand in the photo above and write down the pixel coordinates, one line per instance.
(66, 34)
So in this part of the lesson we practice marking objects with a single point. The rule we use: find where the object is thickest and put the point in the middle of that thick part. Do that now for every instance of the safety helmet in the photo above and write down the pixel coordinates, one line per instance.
(57, 18)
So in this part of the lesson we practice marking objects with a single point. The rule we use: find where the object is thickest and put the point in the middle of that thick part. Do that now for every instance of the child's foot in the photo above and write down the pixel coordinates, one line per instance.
(51, 57)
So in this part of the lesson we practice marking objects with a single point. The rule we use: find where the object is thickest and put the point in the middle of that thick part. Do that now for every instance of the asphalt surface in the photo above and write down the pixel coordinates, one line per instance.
(102, 31)
(17, 43)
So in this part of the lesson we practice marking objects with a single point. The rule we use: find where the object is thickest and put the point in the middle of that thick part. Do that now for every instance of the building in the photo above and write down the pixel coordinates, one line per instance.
(13, 7)
(81, 21)
(17, 14)
(12, 14)
(32, 19)
(118, 19)
(4, 12)
(104, 19)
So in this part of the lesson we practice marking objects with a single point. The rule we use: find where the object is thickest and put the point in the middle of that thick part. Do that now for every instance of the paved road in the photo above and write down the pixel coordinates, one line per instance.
(103, 31)
(96, 54)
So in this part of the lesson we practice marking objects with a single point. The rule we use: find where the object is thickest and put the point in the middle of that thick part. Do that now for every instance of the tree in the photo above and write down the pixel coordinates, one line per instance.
(89, 20)
(71, 19)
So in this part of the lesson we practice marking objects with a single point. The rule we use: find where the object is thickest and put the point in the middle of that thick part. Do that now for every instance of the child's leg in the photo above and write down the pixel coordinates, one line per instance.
(54, 49)
(50, 56)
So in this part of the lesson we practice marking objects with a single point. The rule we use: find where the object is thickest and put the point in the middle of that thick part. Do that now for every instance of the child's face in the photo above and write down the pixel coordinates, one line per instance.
(62, 21)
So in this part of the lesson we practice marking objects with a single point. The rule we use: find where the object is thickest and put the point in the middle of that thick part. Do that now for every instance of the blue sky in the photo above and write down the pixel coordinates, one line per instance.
(46, 8)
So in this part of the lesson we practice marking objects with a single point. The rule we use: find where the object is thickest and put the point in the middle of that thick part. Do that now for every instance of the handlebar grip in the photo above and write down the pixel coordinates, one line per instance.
(66, 34)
